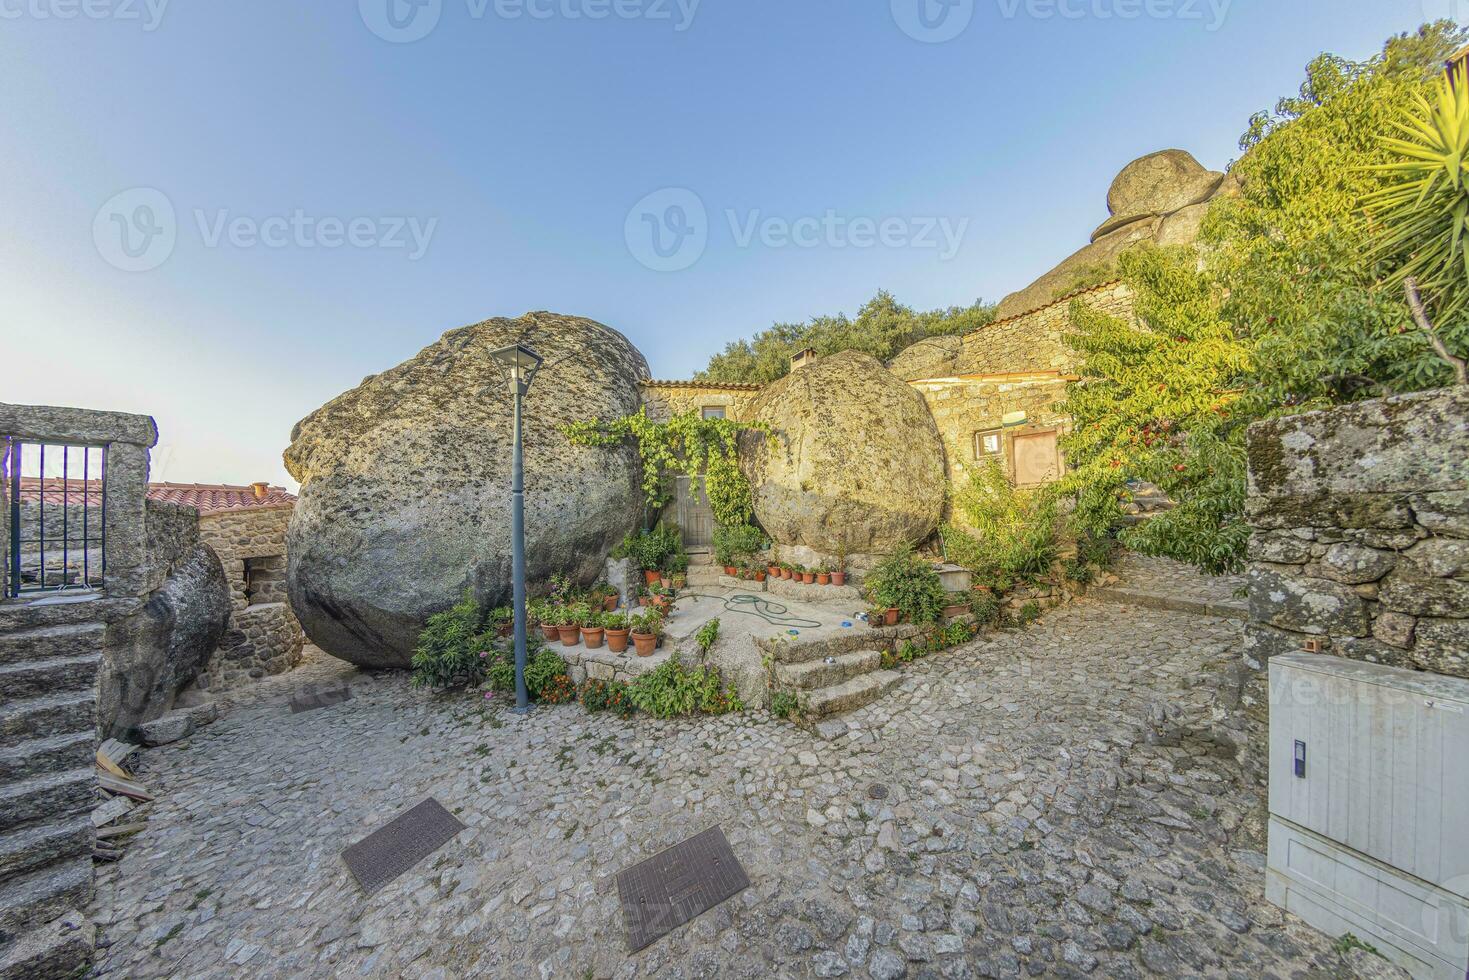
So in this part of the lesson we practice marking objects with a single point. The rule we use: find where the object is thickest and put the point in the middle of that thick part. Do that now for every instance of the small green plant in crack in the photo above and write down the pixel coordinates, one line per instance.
(482, 749)
(199, 897)
(1348, 942)
(178, 928)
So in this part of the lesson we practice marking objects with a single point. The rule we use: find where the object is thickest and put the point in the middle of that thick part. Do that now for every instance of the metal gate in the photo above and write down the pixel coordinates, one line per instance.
(693, 514)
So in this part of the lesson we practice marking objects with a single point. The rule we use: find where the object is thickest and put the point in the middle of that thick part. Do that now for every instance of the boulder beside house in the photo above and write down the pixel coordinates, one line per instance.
(246, 527)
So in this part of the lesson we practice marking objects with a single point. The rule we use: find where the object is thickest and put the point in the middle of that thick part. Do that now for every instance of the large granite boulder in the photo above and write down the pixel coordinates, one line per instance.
(1160, 198)
(156, 651)
(857, 462)
(405, 483)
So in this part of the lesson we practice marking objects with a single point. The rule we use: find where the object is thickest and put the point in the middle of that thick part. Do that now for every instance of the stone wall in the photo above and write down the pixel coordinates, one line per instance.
(963, 408)
(1360, 519)
(263, 636)
(665, 399)
(1030, 342)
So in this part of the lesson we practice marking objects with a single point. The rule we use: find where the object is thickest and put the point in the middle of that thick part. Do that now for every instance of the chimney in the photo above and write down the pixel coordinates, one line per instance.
(260, 490)
(803, 358)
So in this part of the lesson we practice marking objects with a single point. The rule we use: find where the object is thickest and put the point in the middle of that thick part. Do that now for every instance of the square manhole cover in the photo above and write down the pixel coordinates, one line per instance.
(675, 886)
(389, 851)
(310, 700)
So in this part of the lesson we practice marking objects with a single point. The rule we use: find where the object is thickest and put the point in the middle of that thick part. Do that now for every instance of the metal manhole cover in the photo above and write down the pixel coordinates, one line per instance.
(389, 851)
(311, 700)
(677, 885)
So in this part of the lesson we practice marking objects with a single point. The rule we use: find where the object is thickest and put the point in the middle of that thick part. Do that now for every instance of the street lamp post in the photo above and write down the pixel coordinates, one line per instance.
(519, 365)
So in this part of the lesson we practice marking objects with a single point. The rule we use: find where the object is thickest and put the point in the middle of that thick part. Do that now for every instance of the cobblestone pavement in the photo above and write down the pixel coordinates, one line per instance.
(1001, 813)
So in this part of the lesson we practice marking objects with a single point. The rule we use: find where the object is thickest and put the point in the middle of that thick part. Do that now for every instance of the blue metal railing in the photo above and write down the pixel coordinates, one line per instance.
(39, 561)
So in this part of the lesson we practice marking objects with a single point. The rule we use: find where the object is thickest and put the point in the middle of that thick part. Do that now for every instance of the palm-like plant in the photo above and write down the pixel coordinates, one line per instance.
(1420, 218)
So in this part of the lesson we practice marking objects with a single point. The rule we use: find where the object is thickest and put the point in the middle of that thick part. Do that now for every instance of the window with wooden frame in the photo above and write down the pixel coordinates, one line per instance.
(989, 444)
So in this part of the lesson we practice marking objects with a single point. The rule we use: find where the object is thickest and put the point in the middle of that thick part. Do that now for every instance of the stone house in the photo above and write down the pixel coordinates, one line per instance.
(714, 399)
(246, 528)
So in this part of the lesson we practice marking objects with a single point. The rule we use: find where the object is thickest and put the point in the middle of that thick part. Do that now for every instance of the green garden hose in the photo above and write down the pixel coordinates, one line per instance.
(752, 605)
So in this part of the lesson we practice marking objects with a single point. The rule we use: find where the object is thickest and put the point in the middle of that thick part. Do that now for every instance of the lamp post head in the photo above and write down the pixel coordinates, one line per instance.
(519, 364)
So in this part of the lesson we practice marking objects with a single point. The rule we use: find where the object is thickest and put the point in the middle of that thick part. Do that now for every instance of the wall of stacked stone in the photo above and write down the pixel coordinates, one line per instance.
(664, 400)
(263, 636)
(1360, 520)
(963, 408)
(1035, 341)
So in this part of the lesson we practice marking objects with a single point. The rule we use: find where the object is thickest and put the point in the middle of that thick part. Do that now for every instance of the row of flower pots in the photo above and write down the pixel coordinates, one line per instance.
(794, 573)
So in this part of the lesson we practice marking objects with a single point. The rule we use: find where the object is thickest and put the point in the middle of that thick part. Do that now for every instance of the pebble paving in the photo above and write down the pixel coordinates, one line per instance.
(1002, 813)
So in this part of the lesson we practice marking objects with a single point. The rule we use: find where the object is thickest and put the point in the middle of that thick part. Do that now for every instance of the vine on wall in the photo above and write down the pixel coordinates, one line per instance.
(686, 444)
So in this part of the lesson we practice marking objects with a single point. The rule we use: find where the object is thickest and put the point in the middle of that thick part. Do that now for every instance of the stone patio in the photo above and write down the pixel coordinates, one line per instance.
(1002, 812)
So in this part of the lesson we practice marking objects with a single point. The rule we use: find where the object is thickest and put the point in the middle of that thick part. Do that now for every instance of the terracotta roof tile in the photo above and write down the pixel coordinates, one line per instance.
(207, 498)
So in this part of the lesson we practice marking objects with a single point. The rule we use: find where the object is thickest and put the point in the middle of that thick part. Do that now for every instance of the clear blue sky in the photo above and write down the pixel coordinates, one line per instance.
(519, 144)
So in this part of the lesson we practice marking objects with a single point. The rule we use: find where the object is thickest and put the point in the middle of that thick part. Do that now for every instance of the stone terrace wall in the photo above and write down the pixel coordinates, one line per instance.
(1361, 533)
(665, 399)
(263, 636)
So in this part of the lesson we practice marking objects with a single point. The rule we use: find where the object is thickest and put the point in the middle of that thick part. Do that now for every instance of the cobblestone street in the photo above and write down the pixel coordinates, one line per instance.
(1001, 813)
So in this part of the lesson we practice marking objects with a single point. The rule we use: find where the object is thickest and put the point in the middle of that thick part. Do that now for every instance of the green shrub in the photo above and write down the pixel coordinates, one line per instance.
(649, 550)
(1029, 613)
(673, 690)
(599, 695)
(908, 583)
(542, 666)
(986, 608)
(449, 647)
(1011, 533)
(783, 704)
(707, 634)
(734, 543)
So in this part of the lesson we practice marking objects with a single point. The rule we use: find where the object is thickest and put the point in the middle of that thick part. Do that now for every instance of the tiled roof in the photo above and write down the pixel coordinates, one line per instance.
(715, 385)
(207, 498)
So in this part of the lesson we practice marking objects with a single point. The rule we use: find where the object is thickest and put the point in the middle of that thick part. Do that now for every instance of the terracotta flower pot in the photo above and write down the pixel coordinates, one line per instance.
(660, 602)
(891, 618)
(609, 603)
(730, 570)
(642, 600)
(952, 612)
(652, 576)
(838, 578)
(808, 577)
(617, 640)
(823, 578)
(592, 638)
(759, 576)
(645, 643)
(551, 633)
(774, 570)
(570, 635)
(785, 573)
(679, 581)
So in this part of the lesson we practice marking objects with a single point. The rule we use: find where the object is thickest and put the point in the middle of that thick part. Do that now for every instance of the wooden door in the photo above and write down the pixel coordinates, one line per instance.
(1036, 458)
(693, 514)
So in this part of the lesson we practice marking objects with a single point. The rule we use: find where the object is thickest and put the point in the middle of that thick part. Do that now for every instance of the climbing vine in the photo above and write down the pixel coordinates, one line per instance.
(688, 444)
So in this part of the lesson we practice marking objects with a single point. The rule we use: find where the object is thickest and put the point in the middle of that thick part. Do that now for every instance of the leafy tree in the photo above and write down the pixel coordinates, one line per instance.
(1283, 310)
(882, 328)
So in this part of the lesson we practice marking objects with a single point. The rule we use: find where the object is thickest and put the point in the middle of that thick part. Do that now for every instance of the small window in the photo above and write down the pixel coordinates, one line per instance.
(987, 444)
(713, 411)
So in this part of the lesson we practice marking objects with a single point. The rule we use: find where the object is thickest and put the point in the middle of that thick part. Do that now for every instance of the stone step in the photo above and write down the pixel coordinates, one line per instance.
(62, 947)
(33, 847)
(51, 642)
(45, 893)
(860, 636)
(69, 750)
(826, 672)
(67, 713)
(703, 576)
(49, 797)
(32, 678)
(850, 695)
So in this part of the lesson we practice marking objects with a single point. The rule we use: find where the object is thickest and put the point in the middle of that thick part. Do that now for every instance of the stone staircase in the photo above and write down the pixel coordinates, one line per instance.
(836, 674)
(49, 657)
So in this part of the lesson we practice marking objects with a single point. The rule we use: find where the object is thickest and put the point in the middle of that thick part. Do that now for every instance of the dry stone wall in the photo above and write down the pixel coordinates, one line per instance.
(665, 399)
(1361, 533)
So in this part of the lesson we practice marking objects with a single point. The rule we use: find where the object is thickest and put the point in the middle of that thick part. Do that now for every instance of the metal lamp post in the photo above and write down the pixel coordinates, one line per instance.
(519, 365)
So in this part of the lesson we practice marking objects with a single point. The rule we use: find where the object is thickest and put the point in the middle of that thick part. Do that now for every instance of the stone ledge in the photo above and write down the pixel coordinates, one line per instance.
(802, 592)
(54, 424)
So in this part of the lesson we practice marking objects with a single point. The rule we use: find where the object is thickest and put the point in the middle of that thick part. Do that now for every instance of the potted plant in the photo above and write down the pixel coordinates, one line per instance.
(642, 595)
(503, 621)
(605, 595)
(757, 573)
(904, 583)
(773, 568)
(877, 616)
(662, 597)
(569, 625)
(592, 630)
(823, 576)
(544, 613)
(645, 628)
(616, 627)
(958, 605)
(839, 574)
(785, 569)
(807, 575)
